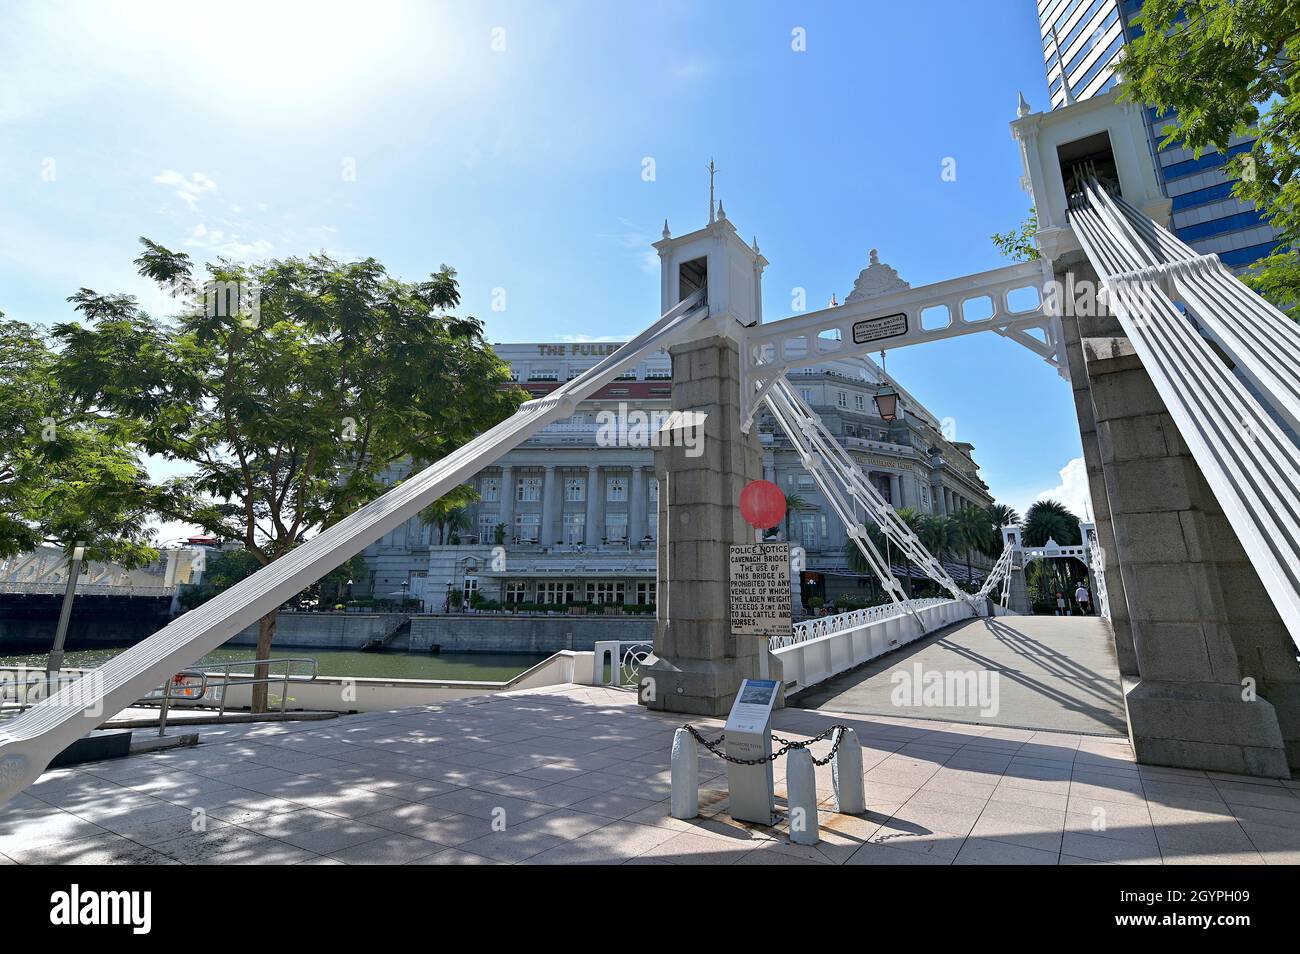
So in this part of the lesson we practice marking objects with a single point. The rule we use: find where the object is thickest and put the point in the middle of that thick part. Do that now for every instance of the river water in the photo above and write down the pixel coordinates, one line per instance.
(488, 667)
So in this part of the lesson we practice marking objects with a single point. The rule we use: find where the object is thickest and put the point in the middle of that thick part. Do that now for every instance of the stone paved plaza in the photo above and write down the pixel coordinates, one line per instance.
(580, 775)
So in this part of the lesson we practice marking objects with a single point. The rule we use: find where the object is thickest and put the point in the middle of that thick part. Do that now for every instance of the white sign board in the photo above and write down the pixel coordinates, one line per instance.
(753, 706)
(760, 589)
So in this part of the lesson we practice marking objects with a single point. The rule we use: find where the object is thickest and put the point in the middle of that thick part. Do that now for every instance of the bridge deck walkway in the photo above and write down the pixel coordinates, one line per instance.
(1054, 673)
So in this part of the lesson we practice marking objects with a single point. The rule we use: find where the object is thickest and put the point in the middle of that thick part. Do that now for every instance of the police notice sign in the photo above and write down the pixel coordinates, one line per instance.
(760, 589)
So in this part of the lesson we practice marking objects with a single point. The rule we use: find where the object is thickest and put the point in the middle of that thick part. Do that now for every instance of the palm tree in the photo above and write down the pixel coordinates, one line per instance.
(973, 532)
(1051, 520)
(999, 516)
(938, 534)
(793, 502)
(448, 513)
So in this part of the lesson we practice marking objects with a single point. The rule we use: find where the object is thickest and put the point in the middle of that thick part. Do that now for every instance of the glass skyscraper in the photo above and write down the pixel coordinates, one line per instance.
(1092, 34)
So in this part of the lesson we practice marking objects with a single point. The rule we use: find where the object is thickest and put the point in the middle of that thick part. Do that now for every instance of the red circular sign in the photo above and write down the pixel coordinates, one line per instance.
(762, 504)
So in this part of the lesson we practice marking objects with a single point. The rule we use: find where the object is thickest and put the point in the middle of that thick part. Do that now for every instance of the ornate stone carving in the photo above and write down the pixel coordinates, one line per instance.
(875, 280)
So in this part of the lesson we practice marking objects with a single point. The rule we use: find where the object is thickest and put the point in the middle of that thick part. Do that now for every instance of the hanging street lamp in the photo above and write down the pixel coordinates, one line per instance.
(886, 396)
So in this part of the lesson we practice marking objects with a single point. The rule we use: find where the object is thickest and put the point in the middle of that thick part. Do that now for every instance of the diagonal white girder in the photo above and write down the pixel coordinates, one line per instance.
(29, 741)
(847, 488)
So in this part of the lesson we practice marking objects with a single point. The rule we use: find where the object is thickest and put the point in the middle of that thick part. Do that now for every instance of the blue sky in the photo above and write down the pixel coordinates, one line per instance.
(232, 129)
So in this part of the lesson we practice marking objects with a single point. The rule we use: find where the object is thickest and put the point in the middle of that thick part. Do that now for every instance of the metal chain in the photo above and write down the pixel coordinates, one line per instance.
(715, 746)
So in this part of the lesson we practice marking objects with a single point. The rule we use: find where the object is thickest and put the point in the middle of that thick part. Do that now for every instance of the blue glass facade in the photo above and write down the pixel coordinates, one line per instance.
(1092, 34)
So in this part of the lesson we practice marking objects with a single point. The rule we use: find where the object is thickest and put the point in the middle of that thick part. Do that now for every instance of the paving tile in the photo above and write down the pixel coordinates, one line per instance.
(692, 848)
(102, 849)
(874, 854)
(388, 849)
(1113, 851)
(978, 851)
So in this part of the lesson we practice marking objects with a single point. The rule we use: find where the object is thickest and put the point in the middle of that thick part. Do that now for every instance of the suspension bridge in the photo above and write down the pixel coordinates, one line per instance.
(1187, 388)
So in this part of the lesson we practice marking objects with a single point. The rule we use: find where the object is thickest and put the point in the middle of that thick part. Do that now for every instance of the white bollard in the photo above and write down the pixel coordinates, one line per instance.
(686, 775)
(801, 795)
(846, 775)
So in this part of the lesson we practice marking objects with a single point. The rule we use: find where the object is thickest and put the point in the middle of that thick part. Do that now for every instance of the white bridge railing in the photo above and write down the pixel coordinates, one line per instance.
(861, 639)
(839, 622)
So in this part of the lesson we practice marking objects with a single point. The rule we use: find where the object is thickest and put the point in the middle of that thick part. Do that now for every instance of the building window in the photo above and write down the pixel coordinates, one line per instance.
(860, 402)
(646, 593)
(528, 489)
(841, 399)
(490, 489)
(487, 527)
(550, 591)
(659, 374)
(575, 528)
(616, 490)
(516, 591)
(616, 527)
(806, 395)
(610, 592)
(804, 482)
(574, 489)
(527, 526)
(808, 531)
(654, 492)
(544, 374)
(470, 588)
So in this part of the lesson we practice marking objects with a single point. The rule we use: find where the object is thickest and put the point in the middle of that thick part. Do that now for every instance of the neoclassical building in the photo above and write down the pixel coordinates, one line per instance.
(575, 507)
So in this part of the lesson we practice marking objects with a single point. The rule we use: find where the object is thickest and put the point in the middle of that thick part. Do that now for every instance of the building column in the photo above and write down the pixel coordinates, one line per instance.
(590, 536)
(507, 507)
(636, 506)
(895, 491)
(546, 535)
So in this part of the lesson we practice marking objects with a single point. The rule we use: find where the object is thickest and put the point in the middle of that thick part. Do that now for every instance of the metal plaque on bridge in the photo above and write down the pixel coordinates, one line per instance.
(877, 329)
(760, 589)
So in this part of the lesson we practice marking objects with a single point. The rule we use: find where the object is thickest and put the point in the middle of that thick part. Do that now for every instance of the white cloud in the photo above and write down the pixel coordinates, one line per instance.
(1072, 490)
(190, 190)
(637, 242)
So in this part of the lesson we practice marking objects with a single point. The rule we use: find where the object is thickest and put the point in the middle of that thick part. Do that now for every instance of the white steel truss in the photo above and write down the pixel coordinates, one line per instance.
(29, 741)
(947, 309)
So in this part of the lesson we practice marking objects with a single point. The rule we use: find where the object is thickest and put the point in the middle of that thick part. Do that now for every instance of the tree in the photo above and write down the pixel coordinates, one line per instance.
(1224, 68)
(1051, 520)
(1018, 244)
(288, 388)
(972, 530)
(938, 534)
(999, 516)
(67, 476)
(448, 512)
(793, 502)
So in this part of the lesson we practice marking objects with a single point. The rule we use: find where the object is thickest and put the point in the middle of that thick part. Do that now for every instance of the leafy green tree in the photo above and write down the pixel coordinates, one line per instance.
(288, 388)
(67, 475)
(1223, 68)
(1051, 520)
(1018, 244)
